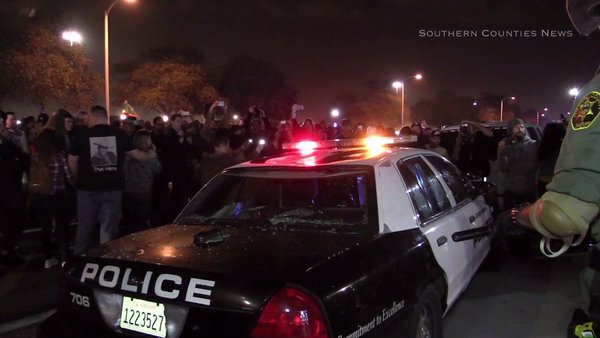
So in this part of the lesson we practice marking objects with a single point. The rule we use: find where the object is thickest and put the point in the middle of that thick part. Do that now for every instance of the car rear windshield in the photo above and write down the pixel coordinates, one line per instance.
(320, 200)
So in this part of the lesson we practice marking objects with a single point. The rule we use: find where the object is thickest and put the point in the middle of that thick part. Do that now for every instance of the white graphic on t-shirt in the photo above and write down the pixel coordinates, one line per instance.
(103, 151)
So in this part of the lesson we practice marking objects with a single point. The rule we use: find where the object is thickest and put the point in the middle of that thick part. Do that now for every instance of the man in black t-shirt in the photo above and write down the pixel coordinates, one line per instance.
(96, 158)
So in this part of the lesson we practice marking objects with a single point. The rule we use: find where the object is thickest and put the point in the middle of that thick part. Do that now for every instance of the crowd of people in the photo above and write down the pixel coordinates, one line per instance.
(122, 176)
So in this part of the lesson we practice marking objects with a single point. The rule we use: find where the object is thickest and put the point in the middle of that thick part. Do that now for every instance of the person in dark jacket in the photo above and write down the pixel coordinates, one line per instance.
(13, 163)
(139, 179)
(219, 159)
(473, 149)
(517, 160)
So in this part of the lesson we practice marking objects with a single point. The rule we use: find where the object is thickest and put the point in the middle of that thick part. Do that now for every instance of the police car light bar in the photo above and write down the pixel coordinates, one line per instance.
(369, 142)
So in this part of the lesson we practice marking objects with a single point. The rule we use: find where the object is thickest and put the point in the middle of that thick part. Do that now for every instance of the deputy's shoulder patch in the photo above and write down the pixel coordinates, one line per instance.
(586, 111)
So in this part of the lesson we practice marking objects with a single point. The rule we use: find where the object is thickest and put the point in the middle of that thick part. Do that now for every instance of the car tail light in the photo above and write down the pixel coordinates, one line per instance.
(291, 313)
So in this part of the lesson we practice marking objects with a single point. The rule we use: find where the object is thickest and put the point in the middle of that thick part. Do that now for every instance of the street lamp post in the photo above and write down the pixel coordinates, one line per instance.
(106, 59)
(502, 106)
(400, 85)
(538, 116)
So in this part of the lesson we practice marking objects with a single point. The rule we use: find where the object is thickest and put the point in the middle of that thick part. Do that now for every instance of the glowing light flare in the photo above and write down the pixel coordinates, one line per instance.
(306, 147)
(574, 91)
(168, 251)
(310, 161)
(123, 117)
(72, 37)
(419, 76)
(165, 118)
(375, 141)
(376, 144)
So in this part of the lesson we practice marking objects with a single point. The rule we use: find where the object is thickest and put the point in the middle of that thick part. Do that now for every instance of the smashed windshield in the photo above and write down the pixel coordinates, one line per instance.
(329, 201)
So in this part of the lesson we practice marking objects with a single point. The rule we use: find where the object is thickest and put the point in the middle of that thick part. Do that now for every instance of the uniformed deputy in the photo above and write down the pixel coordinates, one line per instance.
(572, 202)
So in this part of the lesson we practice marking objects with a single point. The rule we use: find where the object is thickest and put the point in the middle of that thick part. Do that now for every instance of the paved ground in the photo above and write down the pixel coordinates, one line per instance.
(529, 297)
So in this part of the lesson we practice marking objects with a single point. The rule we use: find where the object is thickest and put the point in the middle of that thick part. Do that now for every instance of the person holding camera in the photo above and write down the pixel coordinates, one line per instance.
(473, 149)
(517, 160)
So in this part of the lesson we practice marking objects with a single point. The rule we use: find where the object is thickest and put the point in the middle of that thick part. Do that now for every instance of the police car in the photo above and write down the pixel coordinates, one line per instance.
(355, 238)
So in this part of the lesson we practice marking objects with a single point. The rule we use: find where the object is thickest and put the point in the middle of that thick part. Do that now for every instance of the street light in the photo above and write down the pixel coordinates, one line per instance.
(106, 61)
(502, 105)
(400, 85)
(72, 36)
(574, 92)
(335, 113)
(537, 118)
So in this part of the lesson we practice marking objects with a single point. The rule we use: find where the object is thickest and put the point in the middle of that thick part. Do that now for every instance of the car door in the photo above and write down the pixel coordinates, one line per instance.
(439, 223)
(471, 208)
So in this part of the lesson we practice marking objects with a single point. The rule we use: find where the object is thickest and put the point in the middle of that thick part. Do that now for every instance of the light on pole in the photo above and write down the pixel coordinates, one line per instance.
(335, 113)
(538, 116)
(72, 37)
(400, 85)
(502, 106)
(574, 92)
(106, 59)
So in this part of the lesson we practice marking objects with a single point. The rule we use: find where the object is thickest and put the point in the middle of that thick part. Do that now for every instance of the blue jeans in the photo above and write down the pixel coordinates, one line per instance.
(93, 208)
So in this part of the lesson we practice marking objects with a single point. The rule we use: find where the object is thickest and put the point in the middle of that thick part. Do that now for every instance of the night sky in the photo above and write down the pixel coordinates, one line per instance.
(329, 47)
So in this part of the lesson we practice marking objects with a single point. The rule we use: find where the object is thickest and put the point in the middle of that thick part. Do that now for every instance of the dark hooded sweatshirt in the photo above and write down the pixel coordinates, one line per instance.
(518, 162)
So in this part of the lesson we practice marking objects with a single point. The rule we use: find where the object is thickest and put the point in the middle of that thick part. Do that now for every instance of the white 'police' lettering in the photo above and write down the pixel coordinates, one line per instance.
(194, 289)
(109, 283)
(125, 286)
(165, 285)
(89, 271)
(158, 287)
(146, 283)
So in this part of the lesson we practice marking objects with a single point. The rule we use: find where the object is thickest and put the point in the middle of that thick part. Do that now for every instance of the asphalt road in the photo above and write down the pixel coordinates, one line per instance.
(529, 297)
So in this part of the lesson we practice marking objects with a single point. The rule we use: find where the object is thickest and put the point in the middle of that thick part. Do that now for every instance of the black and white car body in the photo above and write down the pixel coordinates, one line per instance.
(330, 243)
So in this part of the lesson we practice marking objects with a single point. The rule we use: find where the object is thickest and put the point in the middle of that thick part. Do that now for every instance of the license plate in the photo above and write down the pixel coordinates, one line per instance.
(143, 316)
